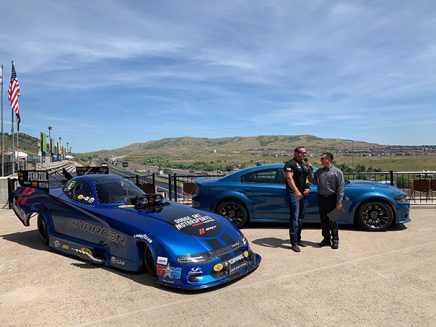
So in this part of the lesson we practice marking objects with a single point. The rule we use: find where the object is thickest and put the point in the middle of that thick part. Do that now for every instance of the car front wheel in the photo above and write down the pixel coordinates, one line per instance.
(234, 211)
(375, 216)
(149, 262)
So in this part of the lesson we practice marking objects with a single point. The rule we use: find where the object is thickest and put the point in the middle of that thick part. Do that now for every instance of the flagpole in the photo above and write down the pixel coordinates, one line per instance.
(13, 137)
(18, 146)
(3, 134)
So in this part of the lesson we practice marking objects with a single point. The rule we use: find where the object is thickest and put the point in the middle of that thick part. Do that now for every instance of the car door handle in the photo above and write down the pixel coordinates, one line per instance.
(246, 190)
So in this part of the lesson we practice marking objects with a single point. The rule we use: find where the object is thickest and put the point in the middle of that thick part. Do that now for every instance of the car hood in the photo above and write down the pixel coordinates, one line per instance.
(182, 228)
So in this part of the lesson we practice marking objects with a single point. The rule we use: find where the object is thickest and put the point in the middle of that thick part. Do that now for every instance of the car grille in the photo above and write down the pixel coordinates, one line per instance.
(226, 249)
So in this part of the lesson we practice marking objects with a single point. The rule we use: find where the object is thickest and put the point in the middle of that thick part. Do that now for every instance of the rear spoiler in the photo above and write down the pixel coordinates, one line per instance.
(34, 178)
(88, 170)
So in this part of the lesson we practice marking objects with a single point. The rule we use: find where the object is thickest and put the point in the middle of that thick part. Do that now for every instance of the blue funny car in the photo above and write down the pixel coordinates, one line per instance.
(257, 194)
(109, 221)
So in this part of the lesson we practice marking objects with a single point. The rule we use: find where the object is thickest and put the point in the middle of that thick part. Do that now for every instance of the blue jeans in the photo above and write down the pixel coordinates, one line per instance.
(296, 216)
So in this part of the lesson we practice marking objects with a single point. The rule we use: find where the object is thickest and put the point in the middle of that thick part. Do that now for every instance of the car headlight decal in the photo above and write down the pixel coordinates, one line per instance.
(195, 258)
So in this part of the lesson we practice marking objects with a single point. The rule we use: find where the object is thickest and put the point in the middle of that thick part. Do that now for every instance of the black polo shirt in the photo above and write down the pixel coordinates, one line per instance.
(300, 174)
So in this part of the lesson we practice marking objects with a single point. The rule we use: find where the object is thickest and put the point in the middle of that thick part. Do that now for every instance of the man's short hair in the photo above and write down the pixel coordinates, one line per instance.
(297, 149)
(329, 155)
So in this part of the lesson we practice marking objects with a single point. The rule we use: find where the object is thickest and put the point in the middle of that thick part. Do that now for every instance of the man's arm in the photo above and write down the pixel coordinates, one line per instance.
(340, 189)
(291, 183)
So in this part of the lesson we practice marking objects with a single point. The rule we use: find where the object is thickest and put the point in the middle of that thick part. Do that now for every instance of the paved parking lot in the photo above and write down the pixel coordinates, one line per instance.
(374, 279)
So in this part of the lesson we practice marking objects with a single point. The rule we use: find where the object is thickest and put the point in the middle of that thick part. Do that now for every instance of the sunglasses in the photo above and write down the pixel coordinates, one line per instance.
(323, 158)
(302, 152)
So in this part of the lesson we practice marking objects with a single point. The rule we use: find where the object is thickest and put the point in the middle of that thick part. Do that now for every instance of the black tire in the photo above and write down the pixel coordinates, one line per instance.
(149, 262)
(42, 229)
(233, 210)
(375, 216)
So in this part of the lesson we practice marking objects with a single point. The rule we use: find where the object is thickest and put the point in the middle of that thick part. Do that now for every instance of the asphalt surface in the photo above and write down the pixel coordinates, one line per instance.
(373, 279)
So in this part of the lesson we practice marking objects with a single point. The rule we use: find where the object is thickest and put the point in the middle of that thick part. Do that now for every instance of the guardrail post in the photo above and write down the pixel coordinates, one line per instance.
(137, 180)
(153, 178)
(175, 187)
(391, 174)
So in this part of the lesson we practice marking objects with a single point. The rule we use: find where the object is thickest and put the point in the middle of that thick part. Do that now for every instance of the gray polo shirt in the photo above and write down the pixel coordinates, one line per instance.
(330, 181)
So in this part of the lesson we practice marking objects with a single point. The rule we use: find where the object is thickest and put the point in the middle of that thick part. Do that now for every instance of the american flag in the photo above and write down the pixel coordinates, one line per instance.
(14, 92)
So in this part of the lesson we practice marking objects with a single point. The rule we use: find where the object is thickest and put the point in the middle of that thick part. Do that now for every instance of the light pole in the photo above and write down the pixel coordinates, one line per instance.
(49, 140)
(67, 146)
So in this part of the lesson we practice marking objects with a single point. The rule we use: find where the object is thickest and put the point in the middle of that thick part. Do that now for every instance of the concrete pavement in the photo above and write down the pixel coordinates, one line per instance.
(374, 279)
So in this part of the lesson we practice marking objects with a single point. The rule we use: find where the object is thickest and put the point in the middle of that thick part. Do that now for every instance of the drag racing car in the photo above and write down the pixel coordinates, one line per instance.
(109, 221)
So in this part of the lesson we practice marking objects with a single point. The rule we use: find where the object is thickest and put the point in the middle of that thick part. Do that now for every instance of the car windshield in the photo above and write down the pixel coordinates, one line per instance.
(115, 190)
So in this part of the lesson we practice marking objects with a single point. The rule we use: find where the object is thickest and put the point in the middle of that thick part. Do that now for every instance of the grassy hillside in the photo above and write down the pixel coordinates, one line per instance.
(28, 144)
(223, 153)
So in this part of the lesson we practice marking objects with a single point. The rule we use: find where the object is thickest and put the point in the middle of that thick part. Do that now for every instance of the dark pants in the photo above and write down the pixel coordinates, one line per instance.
(297, 211)
(330, 230)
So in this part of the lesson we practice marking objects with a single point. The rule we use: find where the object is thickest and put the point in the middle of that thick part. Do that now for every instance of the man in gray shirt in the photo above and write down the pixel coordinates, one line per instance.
(330, 182)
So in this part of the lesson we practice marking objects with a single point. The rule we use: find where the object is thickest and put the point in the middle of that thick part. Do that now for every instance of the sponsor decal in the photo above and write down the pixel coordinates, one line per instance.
(91, 200)
(236, 259)
(246, 254)
(57, 243)
(94, 229)
(162, 260)
(195, 271)
(203, 230)
(65, 246)
(169, 272)
(36, 178)
(235, 268)
(192, 220)
(143, 237)
(117, 261)
(218, 267)
(80, 197)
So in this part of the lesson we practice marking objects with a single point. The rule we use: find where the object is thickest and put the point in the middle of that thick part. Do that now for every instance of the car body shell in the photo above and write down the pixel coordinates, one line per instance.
(118, 235)
(266, 201)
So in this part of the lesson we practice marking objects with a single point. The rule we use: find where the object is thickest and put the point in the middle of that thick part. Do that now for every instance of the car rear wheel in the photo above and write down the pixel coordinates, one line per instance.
(42, 229)
(234, 211)
(149, 262)
(375, 216)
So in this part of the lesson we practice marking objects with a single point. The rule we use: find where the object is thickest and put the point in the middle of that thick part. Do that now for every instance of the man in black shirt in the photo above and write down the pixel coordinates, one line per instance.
(297, 187)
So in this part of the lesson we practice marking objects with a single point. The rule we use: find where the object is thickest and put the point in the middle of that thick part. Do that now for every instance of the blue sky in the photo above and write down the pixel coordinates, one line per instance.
(106, 74)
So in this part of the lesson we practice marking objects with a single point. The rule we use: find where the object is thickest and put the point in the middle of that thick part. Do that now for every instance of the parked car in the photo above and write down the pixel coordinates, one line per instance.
(257, 194)
(109, 221)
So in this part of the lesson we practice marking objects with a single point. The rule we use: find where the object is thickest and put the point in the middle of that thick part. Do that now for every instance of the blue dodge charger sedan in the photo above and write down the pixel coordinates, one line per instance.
(257, 194)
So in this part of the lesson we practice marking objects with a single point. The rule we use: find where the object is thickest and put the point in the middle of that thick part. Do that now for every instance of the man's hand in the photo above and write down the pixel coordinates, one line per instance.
(338, 205)
(298, 195)
(306, 192)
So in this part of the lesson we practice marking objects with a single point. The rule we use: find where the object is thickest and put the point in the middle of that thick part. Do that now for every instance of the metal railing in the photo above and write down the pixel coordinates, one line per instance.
(182, 187)
(420, 186)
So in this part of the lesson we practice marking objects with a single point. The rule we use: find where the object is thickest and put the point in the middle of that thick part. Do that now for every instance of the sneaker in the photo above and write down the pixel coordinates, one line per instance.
(335, 246)
(302, 244)
(324, 243)
(295, 248)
